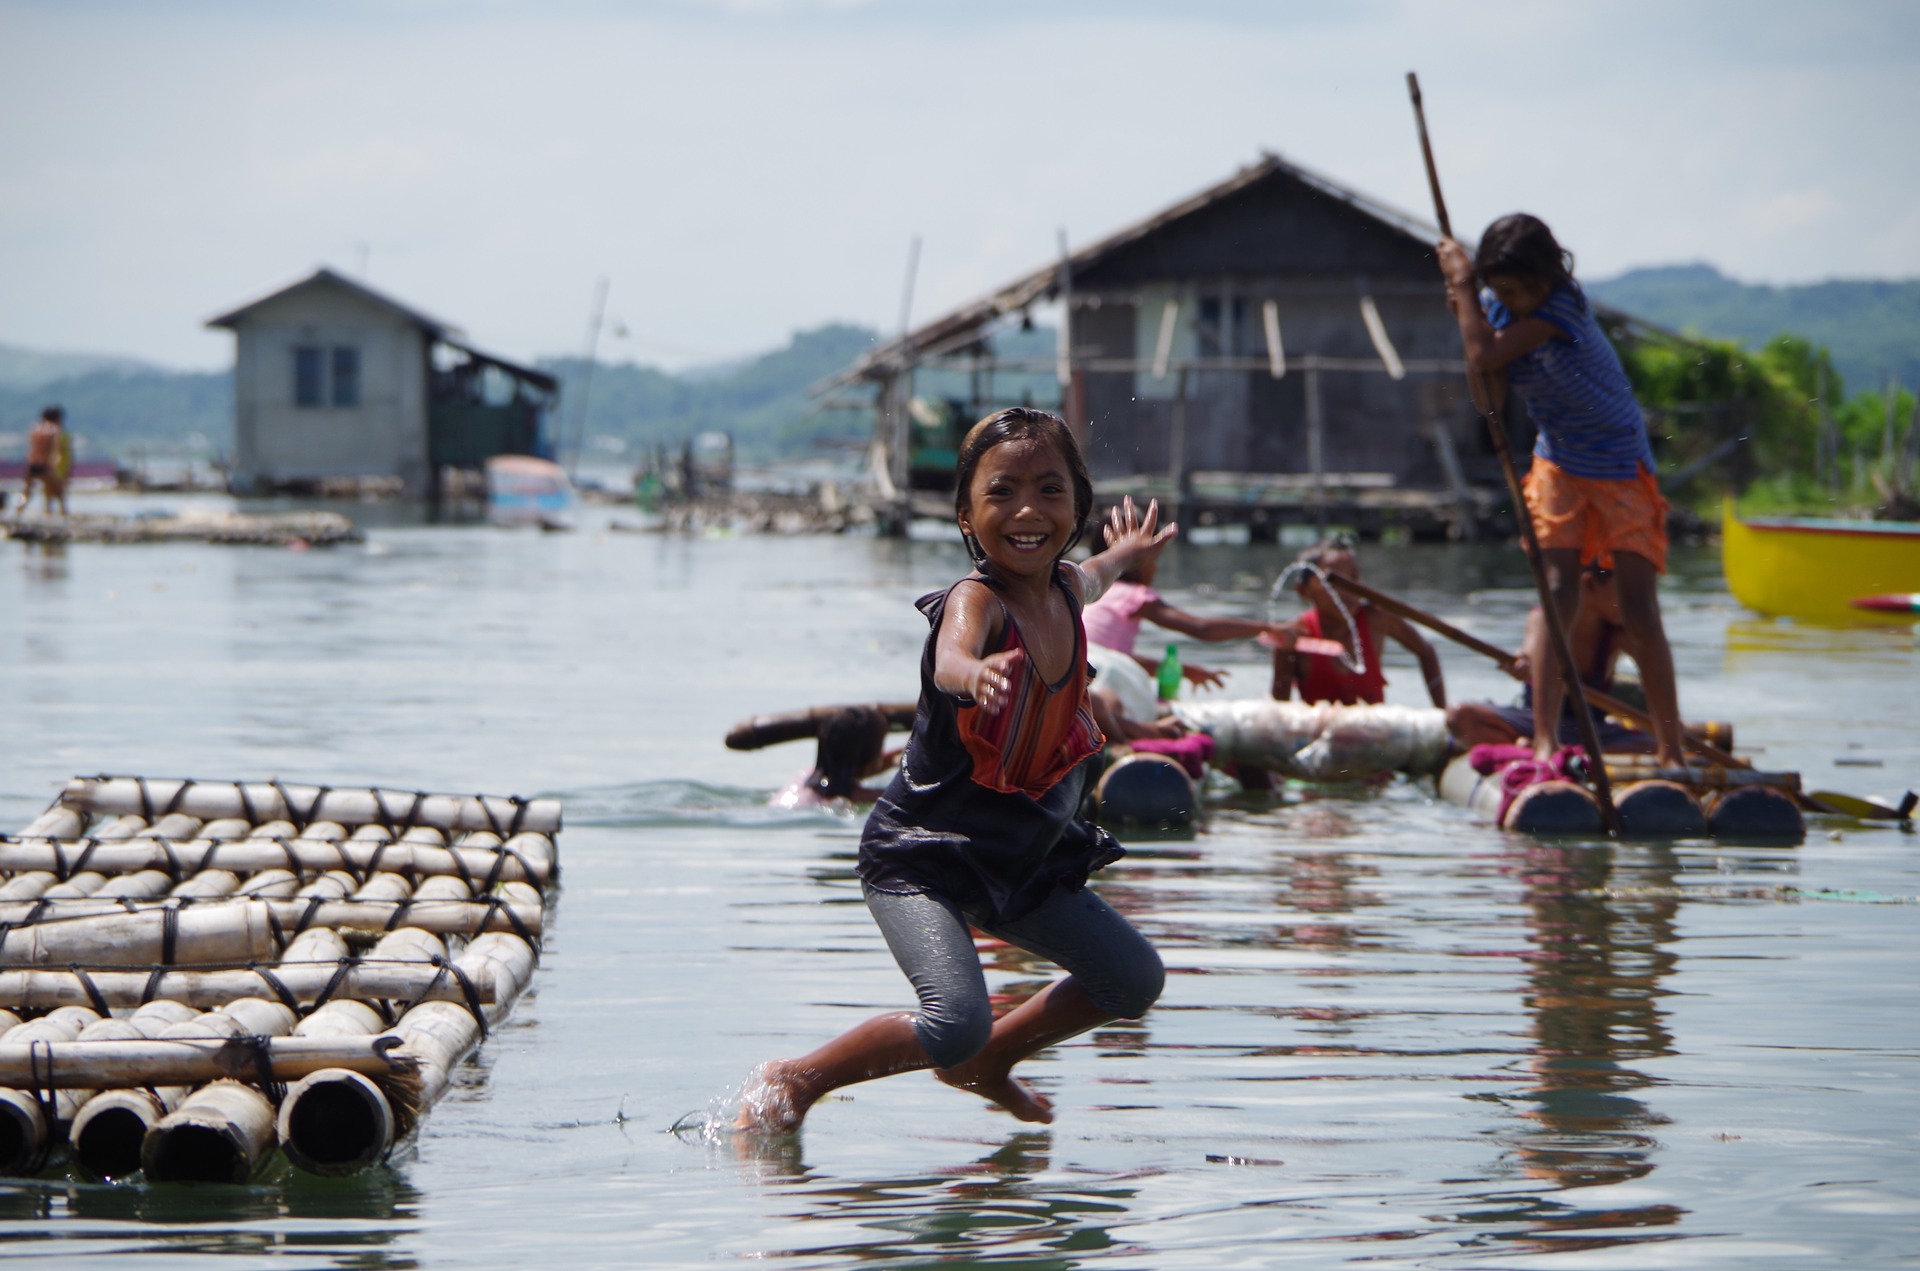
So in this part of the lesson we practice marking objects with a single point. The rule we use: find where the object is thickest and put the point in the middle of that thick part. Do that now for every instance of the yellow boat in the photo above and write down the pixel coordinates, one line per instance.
(1815, 568)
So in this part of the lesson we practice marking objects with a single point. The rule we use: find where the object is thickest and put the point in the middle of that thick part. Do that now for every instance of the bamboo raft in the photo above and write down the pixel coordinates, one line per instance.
(1653, 803)
(195, 974)
(283, 529)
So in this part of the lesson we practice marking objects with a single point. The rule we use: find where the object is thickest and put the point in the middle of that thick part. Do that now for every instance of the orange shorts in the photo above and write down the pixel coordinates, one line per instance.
(1597, 515)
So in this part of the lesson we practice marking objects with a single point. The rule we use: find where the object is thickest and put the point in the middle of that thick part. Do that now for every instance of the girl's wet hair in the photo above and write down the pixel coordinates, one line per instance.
(1022, 423)
(1521, 246)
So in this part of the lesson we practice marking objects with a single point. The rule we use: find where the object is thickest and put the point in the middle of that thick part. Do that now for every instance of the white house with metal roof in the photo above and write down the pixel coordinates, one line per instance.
(336, 384)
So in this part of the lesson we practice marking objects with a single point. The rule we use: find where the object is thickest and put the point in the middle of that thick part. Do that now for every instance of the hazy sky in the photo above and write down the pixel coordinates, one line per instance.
(741, 169)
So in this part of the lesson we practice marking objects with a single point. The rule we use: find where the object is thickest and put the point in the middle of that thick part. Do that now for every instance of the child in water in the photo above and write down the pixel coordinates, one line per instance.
(981, 824)
(1591, 490)
(1320, 675)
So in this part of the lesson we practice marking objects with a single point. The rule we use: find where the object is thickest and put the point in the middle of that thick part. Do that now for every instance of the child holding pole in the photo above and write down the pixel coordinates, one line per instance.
(981, 825)
(1591, 491)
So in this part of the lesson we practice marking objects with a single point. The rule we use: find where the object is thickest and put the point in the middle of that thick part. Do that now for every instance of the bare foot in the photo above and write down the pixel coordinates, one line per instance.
(774, 1100)
(1006, 1090)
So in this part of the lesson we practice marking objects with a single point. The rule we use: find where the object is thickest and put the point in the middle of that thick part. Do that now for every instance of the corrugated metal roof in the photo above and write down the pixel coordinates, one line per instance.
(442, 332)
(964, 325)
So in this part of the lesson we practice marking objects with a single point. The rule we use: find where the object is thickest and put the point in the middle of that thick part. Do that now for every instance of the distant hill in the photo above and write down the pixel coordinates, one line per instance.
(1871, 328)
(121, 407)
(762, 401)
(29, 368)
(116, 406)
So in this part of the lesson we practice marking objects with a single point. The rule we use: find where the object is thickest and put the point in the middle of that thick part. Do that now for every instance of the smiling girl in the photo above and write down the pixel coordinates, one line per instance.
(981, 825)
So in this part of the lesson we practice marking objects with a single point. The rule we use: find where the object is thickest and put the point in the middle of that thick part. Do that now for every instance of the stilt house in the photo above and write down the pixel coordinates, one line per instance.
(1274, 349)
(337, 386)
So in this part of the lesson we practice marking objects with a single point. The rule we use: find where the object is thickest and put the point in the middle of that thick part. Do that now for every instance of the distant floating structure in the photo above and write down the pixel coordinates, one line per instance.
(335, 383)
(279, 529)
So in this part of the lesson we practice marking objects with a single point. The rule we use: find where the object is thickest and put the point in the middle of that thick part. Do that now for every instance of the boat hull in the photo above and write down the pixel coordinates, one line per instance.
(1814, 569)
(524, 490)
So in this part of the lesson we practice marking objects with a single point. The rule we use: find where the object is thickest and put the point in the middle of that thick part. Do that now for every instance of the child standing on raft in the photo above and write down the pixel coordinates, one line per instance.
(1591, 490)
(981, 824)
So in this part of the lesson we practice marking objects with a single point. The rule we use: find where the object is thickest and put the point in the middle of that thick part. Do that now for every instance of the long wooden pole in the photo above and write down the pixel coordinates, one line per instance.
(1495, 415)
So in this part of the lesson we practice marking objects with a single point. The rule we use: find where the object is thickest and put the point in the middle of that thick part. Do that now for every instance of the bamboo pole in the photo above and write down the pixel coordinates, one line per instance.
(225, 1131)
(440, 1034)
(223, 932)
(222, 1133)
(1495, 415)
(114, 1123)
(336, 1122)
(58, 822)
(108, 1128)
(26, 1124)
(219, 1137)
(76, 1065)
(209, 989)
(259, 800)
(526, 857)
(27, 886)
(226, 932)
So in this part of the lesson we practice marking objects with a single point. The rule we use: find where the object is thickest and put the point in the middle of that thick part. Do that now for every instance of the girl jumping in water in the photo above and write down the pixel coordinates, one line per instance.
(981, 824)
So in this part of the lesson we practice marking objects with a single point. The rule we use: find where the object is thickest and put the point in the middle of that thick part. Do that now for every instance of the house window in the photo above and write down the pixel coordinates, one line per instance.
(326, 377)
(309, 373)
(346, 377)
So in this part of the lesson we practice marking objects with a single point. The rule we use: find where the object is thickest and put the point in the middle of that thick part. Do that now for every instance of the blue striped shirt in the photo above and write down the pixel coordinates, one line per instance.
(1577, 392)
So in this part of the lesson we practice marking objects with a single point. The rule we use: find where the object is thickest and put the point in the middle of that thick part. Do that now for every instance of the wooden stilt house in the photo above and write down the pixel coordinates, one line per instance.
(1275, 349)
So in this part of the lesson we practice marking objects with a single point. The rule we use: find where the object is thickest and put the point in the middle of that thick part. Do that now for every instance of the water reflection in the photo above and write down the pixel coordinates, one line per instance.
(1601, 922)
(1009, 1199)
(363, 1221)
(44, 562)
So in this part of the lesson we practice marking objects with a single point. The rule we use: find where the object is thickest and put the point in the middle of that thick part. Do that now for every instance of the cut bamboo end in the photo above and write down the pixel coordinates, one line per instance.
(110, 1129)
(23, 1133)
(220, 1134)
(336, 1122)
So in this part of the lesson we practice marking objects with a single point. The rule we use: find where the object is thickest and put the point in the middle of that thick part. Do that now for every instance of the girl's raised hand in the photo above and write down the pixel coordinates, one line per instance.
(1456, 266)
(1131, 534)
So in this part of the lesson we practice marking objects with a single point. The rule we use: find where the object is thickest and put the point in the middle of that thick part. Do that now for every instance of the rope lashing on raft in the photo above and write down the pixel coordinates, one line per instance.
(1355, 662)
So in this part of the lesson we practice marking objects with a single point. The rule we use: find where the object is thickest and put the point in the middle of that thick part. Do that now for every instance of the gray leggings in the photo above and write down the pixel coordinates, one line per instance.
(1111, 961)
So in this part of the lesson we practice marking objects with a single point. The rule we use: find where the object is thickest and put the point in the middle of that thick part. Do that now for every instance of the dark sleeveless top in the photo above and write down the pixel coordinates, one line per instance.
(985, 809)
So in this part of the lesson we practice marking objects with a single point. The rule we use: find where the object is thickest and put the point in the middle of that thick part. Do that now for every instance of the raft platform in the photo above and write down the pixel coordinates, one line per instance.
(1735, 804)
(279, 529)
(194, 974)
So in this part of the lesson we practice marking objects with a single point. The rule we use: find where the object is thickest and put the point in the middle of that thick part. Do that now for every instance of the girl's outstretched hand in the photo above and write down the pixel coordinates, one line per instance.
(1131, 535)
(990, 681)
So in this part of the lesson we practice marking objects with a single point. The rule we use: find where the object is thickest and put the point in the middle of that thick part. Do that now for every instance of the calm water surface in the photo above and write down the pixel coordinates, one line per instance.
(1391, 1037)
